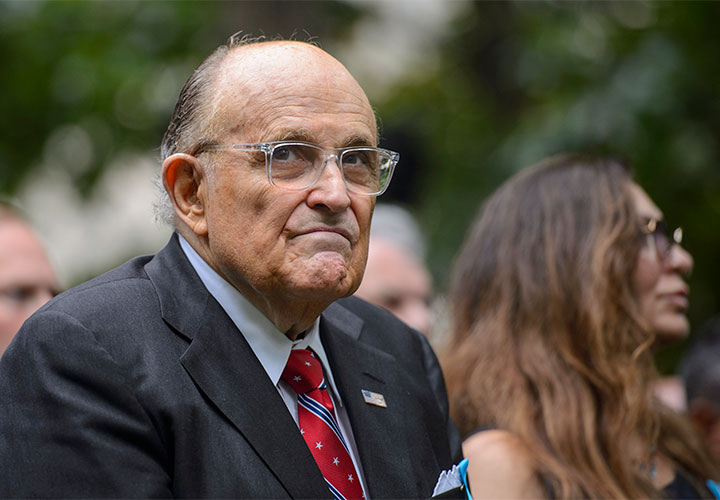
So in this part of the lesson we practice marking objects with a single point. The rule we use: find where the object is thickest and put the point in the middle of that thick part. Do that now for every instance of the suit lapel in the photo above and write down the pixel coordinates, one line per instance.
(222, 364)
(379, 432)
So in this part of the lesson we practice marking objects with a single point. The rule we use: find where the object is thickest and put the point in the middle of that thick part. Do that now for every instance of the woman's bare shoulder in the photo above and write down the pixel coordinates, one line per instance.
(500, 466)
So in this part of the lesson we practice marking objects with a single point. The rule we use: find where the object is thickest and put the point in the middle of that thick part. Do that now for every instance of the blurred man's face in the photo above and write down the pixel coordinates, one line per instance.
(26, 279)
(396, 280)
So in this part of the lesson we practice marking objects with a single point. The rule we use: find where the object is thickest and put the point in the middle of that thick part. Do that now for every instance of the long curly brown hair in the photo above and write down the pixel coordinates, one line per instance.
(547, 341)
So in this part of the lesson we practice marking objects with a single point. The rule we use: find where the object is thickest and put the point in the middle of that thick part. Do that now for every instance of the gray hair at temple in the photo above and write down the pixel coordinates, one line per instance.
(396, 225)
(190, 125)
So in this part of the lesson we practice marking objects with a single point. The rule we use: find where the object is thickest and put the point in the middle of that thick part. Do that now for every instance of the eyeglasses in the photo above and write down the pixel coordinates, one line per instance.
(659, 238)
(295, 166)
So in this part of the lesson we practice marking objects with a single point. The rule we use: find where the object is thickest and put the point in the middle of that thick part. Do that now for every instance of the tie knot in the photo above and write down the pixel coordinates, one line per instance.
(303, 371)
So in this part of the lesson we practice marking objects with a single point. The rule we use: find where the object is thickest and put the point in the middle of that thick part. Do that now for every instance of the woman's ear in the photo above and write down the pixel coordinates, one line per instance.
(185, 182)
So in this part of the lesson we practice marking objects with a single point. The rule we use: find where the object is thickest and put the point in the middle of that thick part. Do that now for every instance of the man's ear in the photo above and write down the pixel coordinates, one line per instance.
(185, 182)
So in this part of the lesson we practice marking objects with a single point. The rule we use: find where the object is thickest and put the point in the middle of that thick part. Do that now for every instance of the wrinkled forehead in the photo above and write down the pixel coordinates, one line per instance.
(275, 80)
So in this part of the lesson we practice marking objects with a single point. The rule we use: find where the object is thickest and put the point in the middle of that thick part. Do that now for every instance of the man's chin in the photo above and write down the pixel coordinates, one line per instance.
(328, 282)
(321, 292)
(325, 276)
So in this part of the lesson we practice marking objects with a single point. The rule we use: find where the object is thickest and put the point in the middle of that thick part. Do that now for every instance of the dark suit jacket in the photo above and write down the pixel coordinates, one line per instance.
(138, 384)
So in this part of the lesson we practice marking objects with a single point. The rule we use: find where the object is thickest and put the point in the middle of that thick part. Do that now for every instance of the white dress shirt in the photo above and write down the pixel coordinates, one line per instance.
(271, 346)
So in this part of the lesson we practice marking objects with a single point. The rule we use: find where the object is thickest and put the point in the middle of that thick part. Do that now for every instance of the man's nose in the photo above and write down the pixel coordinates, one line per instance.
(330, 189)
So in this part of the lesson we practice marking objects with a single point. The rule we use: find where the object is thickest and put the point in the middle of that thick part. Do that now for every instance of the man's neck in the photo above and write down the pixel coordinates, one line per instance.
(290, 315)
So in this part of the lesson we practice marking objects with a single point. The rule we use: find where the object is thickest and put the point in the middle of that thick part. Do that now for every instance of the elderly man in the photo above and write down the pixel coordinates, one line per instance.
(27, 279)
(225, 365)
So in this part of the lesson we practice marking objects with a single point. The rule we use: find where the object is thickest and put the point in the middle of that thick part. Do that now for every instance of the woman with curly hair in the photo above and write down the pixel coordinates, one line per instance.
(564, 280)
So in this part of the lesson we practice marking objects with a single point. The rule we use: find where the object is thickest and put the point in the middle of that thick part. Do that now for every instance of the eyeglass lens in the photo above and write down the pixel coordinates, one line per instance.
(663, 241)
(298, 166)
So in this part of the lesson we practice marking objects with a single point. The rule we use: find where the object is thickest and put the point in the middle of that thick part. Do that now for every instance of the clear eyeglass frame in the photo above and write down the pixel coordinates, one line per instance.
(386, 165)
(659, 240)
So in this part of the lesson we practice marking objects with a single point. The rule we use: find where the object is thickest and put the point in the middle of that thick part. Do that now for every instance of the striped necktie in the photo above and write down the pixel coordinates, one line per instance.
(316, 419)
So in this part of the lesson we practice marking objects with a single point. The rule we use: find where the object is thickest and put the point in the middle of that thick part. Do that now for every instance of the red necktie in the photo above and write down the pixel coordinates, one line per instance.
(318, 426)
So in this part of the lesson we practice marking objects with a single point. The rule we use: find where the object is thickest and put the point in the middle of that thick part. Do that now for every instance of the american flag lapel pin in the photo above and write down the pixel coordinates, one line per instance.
(373, 398)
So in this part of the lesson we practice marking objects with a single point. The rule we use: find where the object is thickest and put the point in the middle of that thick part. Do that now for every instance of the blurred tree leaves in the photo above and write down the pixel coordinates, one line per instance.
(83, 81)
(518, 81)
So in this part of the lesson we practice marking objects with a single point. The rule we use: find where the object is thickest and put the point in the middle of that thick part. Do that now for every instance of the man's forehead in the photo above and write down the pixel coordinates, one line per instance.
(263, 82)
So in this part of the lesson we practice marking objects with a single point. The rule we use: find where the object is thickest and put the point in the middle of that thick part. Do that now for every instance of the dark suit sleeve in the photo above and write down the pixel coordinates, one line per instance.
(70, 424)
(437, 384)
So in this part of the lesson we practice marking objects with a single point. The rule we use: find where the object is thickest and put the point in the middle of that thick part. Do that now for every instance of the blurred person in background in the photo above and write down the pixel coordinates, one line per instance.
(700, 371)
(234, 363)
(562, 283)
(27, 279)
(396, 277)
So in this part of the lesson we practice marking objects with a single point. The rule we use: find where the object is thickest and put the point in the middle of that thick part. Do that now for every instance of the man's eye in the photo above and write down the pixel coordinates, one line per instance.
(391, 302)
(352, 159)
(357, 158)
(282, 154)
(290, 153)
(18, 293)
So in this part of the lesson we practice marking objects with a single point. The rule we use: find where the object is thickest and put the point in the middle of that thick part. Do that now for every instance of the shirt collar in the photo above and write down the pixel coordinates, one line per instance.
(270, 345)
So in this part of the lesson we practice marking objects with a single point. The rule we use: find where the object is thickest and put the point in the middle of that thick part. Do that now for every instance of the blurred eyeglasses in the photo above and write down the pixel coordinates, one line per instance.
(659, 238)
(295, 166)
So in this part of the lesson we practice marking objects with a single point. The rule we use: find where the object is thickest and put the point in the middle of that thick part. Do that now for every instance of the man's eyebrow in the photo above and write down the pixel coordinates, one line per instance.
(296, 135)
(305, 135)
(358, 140)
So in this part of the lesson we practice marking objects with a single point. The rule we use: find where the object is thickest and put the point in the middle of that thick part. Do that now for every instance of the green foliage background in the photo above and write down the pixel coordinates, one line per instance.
(514, 82)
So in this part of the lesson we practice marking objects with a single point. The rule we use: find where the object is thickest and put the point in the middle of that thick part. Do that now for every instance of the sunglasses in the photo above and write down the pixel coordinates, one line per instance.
(659, 238)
